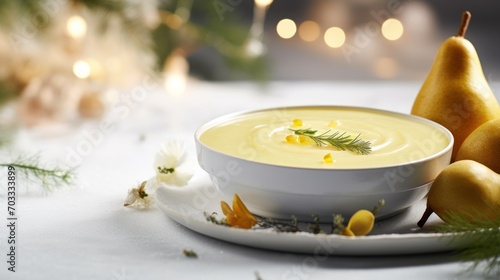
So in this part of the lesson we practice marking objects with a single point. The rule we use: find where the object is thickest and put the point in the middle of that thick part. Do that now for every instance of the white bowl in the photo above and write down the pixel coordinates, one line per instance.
(280, 191)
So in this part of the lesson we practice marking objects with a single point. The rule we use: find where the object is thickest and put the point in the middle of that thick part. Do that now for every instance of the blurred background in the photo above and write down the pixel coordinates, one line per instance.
(66, 59)
(358, 48)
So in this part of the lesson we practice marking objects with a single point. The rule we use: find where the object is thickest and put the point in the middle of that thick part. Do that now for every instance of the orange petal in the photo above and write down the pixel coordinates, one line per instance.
(226, 210)
(241, 210)
(245, 223)
(232, 220)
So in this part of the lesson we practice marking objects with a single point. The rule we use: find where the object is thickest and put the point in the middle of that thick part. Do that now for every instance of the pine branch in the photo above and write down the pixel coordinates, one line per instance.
(112, 6)
(226, 36)
(485, 237)
(30, 169)
(7, 92)
(8, 8)
(133, 23)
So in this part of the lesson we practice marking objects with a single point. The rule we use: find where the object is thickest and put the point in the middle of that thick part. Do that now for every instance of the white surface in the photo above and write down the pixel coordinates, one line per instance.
(84, 232)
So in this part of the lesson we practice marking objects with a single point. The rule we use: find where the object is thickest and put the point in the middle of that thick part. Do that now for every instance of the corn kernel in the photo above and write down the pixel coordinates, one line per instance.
(297, 122)
(291, 139)
(303, 139)
(328, 158)
(334, 123)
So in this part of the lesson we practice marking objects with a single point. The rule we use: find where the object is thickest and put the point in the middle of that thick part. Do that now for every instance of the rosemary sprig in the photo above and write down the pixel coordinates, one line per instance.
(485, 237)
(338, 140)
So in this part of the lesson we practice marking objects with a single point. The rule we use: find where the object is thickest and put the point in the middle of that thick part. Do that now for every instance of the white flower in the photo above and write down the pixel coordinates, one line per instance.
(138, 197)
(172, 167)
(172, 164)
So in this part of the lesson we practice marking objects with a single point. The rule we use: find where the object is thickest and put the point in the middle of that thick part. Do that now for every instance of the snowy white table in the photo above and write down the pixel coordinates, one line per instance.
(84, 232)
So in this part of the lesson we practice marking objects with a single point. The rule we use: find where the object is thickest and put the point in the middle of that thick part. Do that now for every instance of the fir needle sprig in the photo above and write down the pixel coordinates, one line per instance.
(29, 168)
(338, 140)
(485, 245)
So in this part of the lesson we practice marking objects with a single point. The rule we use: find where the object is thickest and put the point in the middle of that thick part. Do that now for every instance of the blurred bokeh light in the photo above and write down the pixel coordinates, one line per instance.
(368, 39)
(286, 28)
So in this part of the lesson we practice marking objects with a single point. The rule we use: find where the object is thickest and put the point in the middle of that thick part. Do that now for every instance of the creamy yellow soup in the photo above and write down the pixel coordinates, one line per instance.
(267, 136)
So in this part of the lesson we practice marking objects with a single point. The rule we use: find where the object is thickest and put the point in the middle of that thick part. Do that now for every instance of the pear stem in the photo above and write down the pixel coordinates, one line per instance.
(425, 217)
(464, 24)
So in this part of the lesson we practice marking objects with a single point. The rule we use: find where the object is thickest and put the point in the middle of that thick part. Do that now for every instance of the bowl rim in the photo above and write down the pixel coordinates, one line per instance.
(199, 131)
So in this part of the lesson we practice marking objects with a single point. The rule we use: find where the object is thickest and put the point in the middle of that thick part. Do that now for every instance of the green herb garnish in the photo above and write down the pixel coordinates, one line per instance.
(485, 246)
(30, 168)
(338, 140)
(190, 253)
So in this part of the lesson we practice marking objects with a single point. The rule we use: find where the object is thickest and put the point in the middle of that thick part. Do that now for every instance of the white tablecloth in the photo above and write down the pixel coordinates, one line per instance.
(84, 232)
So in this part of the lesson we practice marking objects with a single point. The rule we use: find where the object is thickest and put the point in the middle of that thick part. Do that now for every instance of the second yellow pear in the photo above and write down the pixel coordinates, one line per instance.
(483, 145)
(455, 93)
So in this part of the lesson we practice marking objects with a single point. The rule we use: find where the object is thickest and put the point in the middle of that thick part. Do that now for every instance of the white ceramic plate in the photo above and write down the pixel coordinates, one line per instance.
(398, 235)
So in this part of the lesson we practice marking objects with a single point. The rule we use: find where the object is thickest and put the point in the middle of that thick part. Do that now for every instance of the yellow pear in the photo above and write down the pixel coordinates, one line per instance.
(455, 93)
(467, 189)
(483, 145)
